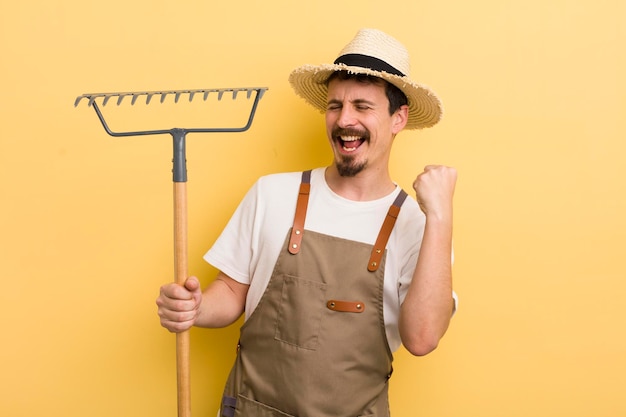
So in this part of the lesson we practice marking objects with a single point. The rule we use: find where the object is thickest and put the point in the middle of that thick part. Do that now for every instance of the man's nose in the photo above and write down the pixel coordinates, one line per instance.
(346, 117)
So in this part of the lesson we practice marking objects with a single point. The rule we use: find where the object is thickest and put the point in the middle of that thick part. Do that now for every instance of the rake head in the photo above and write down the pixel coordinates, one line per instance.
(104, 98)
(163, 94)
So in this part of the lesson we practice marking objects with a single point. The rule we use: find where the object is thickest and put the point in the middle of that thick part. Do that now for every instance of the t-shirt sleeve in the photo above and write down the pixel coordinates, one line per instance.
(232, 251)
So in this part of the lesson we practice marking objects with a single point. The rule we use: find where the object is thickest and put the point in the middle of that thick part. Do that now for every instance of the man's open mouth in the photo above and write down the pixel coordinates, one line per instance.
(350, 143)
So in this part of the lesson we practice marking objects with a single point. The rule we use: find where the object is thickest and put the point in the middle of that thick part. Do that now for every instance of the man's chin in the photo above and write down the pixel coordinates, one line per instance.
(350, 168)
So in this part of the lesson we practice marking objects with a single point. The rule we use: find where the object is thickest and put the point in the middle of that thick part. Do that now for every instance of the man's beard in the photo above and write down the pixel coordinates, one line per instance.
(347, 167)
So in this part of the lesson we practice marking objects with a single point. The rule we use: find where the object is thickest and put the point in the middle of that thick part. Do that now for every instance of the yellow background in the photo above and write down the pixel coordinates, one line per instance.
(535, 99)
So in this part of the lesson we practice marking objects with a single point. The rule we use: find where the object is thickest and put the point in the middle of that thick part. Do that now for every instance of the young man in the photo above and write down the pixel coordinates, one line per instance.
(334, 267)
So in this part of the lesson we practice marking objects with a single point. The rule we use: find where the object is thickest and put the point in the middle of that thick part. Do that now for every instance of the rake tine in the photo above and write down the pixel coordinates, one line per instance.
(177, 97)
(91, 100)
(149, 97)
(191, 94)
(135, 97)
(220, 94)
(206, 94)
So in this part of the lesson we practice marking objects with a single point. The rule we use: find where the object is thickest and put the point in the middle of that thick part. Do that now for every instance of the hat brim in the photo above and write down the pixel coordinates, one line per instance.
(425, 108)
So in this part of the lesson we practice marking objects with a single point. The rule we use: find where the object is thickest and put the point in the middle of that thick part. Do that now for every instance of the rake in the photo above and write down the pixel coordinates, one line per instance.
(180, 191)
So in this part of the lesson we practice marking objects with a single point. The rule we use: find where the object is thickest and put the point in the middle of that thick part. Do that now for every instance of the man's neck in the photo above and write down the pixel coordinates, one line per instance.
(365, 186)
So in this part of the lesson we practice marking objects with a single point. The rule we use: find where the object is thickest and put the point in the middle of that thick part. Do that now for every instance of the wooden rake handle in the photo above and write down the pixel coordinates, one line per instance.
(180, 263)
(181, 273)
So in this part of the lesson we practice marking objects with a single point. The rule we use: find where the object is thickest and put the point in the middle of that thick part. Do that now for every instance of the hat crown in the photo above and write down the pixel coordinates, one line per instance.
(378, 44)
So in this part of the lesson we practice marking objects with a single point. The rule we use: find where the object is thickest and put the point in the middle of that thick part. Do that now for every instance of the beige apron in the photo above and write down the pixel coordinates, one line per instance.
(315, 345)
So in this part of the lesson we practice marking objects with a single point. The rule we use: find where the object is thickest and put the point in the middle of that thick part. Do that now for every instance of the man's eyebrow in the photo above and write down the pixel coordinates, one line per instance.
(363, 101)
(355, 101)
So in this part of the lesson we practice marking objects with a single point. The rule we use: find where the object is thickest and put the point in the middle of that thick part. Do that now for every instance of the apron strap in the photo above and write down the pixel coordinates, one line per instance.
(385, 232)
(228, 406)
(298, 223)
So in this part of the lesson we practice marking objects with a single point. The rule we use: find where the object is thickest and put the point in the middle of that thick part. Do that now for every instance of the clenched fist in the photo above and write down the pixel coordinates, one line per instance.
(178, 306)
(434, 190)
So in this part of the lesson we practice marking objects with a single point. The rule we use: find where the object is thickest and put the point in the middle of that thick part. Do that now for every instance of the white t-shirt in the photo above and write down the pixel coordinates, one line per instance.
(249, 246)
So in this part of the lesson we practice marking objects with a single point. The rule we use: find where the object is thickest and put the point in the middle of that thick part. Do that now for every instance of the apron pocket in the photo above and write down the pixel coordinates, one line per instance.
(302, 304)
(250, 408)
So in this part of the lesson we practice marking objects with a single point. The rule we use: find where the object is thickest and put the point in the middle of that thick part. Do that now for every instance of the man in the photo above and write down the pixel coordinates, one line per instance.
(334, 267)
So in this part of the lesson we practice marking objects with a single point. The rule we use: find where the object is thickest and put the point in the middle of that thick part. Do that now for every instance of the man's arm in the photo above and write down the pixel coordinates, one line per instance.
(426, 311)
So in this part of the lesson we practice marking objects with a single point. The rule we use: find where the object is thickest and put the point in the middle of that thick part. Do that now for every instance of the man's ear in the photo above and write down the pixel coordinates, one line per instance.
(400, 118)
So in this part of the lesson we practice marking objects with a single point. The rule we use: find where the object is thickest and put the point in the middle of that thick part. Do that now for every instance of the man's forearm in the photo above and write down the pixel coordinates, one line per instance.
(426, 311)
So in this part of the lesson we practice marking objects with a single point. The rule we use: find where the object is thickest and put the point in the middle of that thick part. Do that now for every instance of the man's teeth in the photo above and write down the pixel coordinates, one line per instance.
(346, 139)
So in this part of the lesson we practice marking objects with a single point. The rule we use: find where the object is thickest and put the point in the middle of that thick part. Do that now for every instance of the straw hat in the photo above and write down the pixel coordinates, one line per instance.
(371, 52)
